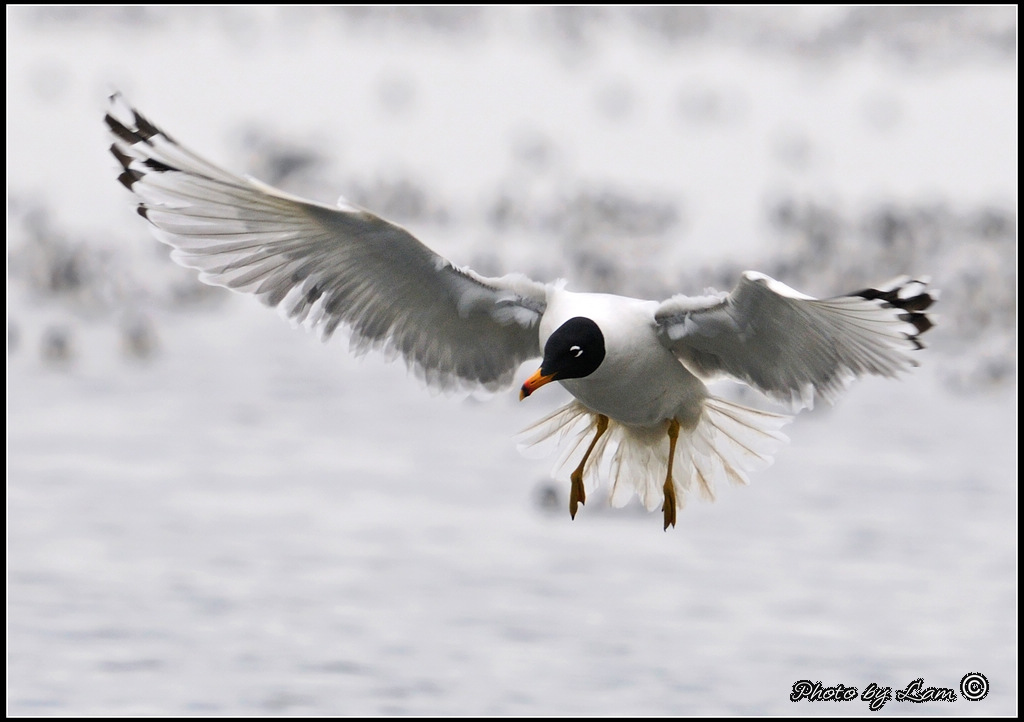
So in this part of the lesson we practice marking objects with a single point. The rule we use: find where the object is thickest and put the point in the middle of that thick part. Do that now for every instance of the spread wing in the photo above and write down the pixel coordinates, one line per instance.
(792, 346)
(328, 267)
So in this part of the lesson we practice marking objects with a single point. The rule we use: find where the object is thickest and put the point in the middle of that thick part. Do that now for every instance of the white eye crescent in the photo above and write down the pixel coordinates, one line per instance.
(576, 351)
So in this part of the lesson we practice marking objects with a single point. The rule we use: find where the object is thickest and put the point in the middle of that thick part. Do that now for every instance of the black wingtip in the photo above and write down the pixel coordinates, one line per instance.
(154, 164)
(144, 128)
(920, 321)
(143, 131)
(921, 302)
(121, 130)
(129, 178)
(917, 301)
(123, 158)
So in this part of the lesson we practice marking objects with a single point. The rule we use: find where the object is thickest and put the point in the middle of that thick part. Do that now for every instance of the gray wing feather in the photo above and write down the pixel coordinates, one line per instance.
(792, 346)
(327, 267)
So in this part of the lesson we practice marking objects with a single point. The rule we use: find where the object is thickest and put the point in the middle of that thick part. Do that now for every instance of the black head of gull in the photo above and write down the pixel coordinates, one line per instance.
(573, 351)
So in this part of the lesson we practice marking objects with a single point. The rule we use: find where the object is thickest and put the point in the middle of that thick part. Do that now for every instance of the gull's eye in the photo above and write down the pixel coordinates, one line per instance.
(576, 351)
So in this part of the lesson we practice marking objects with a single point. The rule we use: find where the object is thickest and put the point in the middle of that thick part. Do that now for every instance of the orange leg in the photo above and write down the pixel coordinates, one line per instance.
(669, 507)
(577, 494)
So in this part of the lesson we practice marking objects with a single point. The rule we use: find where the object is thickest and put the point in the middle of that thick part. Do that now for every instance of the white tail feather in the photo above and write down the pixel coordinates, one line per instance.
(728, 441)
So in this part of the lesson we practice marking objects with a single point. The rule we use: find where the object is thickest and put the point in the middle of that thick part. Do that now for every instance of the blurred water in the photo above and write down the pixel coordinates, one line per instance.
(239, 520)
(263, 525)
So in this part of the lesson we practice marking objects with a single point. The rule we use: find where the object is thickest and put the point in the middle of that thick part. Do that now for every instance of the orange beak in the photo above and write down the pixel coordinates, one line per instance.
(533, 383)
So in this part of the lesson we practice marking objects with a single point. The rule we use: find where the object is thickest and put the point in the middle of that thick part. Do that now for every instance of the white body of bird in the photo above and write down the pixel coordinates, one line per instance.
(639, 382)
(641, 386)
(635, 367)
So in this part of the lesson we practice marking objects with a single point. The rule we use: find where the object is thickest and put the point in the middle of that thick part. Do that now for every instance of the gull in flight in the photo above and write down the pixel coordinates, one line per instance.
(636, 368)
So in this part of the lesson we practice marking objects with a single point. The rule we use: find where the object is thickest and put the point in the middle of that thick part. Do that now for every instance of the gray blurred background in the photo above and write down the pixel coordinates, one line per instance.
(210, 513)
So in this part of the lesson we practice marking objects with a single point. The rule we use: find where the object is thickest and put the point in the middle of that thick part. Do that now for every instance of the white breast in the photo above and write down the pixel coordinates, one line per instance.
(640, 382)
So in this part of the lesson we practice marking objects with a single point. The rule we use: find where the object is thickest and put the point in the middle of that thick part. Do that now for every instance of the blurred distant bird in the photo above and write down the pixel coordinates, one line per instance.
(636, 368)
(138, 337)
(57, 345)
